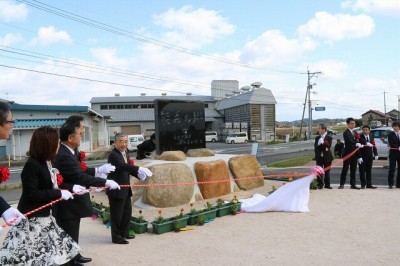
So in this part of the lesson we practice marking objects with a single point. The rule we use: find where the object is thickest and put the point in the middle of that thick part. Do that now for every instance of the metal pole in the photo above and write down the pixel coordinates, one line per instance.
(384, 103)
(309, 105)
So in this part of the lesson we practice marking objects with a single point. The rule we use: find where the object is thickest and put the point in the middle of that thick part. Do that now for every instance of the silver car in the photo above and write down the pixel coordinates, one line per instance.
(381, 142)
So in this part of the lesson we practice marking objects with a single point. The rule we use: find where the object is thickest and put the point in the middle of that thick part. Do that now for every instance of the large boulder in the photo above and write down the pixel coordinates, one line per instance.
(246, 166)
(172, 156)
(168, 196)
(202, 152)
(213, 171)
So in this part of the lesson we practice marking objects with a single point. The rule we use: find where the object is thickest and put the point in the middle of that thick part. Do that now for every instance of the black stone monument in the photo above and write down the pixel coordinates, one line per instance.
(180, 125)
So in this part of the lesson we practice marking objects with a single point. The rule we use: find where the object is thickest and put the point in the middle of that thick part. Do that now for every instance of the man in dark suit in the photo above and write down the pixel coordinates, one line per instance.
(323, 155)
(69, 213)
(146, 147)
(9, 214)
(338, 151)
(368, 154)
(351, 143)
(394, 154)
(120, 200)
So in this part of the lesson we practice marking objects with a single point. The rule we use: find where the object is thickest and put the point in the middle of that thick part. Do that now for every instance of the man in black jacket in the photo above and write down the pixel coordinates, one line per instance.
(9, 214)
(368, 154)
(394, 155)
(323, 155)
(120, 200)
(69, 213)
(146, 146)
(351, 143)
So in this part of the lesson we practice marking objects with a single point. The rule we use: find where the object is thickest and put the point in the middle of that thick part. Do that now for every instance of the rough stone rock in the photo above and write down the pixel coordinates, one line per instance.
(212, 171)
(202, 152)
(172, 156)
(168, 196)
(246, 166)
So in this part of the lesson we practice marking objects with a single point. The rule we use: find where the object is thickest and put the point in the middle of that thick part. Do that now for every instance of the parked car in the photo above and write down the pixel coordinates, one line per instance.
(330, 131)
(211, 136)
(239, 137)
(134, 141)
(380, 136)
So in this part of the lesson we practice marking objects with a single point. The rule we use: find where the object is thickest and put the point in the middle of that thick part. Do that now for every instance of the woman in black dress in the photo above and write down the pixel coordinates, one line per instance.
(38, 240)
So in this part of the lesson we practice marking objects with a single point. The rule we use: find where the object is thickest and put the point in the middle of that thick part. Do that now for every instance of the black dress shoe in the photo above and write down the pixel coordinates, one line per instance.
(341, 187)
(362, 187)
(81, 259)
(371, 187)
(354, 187)
(122, 242)
(130, 237)
(390, 187)
(328, 187)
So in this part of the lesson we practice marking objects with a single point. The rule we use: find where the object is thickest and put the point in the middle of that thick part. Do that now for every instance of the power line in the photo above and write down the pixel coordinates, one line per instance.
(118, 31)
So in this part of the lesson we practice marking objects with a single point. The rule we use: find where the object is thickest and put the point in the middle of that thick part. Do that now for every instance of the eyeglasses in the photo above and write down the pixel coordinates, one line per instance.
(10, 121)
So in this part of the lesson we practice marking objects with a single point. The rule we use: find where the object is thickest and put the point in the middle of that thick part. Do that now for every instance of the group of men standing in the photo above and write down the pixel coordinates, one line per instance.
(359, 149)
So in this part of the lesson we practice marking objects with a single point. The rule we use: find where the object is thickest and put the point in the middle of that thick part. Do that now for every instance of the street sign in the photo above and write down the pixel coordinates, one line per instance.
(319, 108)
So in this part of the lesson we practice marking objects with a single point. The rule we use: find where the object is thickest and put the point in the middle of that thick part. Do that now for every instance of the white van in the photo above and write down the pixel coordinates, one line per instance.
(211, 136)
(380, 137)
(133, 141)
(239, 137)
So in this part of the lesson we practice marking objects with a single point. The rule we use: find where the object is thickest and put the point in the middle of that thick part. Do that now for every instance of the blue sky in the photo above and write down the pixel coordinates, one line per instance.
(355, 43)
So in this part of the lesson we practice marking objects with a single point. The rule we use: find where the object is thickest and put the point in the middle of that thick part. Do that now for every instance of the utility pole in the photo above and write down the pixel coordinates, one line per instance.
(384, 103)
(398, 107)
(310, 75)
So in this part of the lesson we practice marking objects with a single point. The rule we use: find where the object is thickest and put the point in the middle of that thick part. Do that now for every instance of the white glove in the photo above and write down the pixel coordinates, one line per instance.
(106, 168)
(399, 148)
(112, 184)
(360, 160)
(142, 176)
(320, 141)
(369, 144)
(145, 171)
(376, 158)
(103, 175)
(13, 216)
(66, 195)
(79, 190)
(359, 145)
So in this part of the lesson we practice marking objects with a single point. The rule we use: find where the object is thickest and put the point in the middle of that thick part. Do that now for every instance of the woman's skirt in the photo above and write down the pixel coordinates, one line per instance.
(37, 241)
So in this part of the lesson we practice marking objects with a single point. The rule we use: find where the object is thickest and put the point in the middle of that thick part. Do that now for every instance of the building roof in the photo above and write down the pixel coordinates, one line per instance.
(53, 108)
(149, 99)
(378, 113)
(255, 96)
(36, 123)
(148, 115)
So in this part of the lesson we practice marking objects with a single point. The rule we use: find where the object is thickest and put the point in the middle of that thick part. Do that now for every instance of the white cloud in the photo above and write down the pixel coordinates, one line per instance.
(337, 27)
(377, 85)
(108, 57)
(10, 38)
(273, 48)
(193, 28)
(49, 35)
(331, 69)
(386, 7)
(11, 11)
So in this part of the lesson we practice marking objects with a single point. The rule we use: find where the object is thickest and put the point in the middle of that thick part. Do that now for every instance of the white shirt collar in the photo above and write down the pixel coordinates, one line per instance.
(71, 150)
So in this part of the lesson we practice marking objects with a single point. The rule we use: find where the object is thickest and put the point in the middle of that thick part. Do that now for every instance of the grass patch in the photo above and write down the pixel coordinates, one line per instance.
(299, 161)
(10, 187)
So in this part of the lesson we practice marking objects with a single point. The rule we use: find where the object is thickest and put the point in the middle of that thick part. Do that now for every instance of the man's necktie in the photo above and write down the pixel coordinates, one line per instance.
(124, 155)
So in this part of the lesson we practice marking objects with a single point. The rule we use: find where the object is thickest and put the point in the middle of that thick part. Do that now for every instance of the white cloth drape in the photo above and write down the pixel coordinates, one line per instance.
(292, 197)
